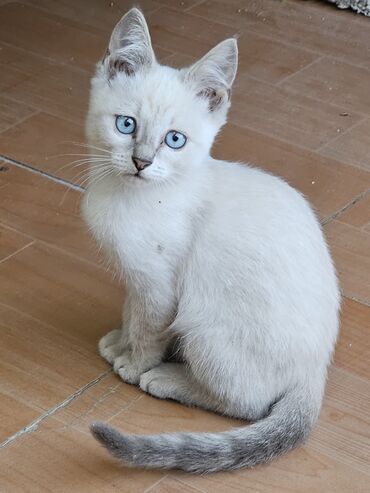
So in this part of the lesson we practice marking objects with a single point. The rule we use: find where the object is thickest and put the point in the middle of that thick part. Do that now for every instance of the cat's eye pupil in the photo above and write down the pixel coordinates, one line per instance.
(175, 138)
(127, 123)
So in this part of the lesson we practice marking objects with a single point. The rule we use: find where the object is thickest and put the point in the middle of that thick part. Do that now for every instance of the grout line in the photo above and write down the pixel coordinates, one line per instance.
(253, 28)
(343, 209)
(355, 298)
(288, 77)
(17, 251)
(194, 5)
(125, 408)
(147, 490)
(31, 168)
(47, 59)
(22, 120)
(33, 426)
(334, 139)
(15, 230)
(49, 111)
(191, 486)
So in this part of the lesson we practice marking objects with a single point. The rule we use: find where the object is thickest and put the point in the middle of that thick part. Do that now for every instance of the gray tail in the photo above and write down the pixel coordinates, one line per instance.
(287, 425)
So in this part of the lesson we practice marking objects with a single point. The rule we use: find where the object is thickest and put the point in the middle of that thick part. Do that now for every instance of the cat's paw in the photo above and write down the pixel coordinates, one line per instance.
(127, 369)
(159, 383)
(110, 346)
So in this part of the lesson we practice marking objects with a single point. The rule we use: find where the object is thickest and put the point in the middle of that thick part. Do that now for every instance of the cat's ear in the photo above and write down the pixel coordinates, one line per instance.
(130, 47)
(213, 75)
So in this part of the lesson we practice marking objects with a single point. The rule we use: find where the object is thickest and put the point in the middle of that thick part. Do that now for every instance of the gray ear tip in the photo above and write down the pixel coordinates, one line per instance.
(232, 43)
(136, 12)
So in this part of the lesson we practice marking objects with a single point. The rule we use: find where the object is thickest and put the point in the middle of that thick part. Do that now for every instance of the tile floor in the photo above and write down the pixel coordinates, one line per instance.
(301, 110)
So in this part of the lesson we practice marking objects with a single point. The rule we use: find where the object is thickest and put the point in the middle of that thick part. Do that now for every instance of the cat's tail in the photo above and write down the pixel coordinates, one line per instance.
(287, 425)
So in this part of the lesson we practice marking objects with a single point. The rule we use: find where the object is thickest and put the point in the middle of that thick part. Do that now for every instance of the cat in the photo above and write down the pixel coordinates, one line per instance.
(226, 259)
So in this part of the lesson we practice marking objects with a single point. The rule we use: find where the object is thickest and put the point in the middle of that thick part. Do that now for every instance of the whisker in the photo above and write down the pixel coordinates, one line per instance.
(89, 146)
(81, 162)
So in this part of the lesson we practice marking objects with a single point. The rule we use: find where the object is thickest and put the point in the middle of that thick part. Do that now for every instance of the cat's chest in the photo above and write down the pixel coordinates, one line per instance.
(150, 233)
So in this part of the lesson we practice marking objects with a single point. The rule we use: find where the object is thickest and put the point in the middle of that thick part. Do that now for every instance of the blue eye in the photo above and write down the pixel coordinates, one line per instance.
(175, 140)
(125, 124)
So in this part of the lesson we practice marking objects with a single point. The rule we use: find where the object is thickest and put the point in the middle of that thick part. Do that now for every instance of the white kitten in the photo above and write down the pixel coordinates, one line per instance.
(227, 259)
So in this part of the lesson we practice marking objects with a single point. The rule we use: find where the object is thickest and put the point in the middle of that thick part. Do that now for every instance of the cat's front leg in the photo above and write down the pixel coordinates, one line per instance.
(116, 342)
(148, 336)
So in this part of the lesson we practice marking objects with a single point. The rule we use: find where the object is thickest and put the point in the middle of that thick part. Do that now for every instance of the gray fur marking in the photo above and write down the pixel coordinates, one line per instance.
(287, 425)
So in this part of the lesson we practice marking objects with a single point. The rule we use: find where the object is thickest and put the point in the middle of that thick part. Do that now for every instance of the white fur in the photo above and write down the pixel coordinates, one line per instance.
(225, 257)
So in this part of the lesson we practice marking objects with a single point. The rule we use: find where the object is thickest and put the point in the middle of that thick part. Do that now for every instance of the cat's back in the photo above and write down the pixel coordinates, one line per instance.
(245, 195)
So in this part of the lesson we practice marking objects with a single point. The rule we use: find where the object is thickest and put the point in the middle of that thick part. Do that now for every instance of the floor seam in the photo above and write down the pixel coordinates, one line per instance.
(35, 170)
(33, 426)
(2, 260)
(51, 61)
(334, 139)
(293, 74)
(252, 28)
(21, 120)
(194, 487)
(349, 296)
(147, 490)
(343, 209)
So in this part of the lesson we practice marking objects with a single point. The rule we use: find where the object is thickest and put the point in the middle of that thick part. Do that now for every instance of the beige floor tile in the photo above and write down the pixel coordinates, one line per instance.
(49, 144)
(96, 13)
(11, 241)
(179, 4)
(352, 147)
(194, 35)
(172, 485)
(42, 365)
(333, 81)
(268, 60)
(151, 415)
(75, 297)
(353, 348)
(10, 76)
(100, 402)
(60, 90)
(326, 463)
(301, 471)
(359, 214)
(328, 184)
(59, 460)
(20, 60)
(350, 248)
(46, 210)
(11, 113)
(342, 432)
(288, 116)
(28, 28)
(312, 29)
(14, 415)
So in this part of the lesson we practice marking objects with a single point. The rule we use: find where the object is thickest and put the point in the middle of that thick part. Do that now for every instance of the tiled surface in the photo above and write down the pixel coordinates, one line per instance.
(352, 147)
(350, 248)
(329, 184)
(60, 154)
(12, 241)
(301, 110)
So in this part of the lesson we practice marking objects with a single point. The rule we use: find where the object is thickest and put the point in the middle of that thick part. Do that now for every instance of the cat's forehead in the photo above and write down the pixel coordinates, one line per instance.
(159, 94)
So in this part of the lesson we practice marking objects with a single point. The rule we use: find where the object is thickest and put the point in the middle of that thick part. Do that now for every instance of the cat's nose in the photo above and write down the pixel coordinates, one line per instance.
(140, 163)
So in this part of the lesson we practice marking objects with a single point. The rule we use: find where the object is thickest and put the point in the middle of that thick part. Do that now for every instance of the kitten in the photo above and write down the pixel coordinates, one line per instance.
(229, 260)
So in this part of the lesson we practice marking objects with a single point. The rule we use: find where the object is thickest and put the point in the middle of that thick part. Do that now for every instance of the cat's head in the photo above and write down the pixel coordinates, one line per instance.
(152, 121)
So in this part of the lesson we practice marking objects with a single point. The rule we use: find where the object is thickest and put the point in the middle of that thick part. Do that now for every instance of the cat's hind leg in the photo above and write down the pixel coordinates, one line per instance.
(174, 381)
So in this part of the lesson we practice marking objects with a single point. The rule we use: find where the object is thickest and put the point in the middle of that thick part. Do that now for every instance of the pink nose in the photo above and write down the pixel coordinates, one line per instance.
(141, 164)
